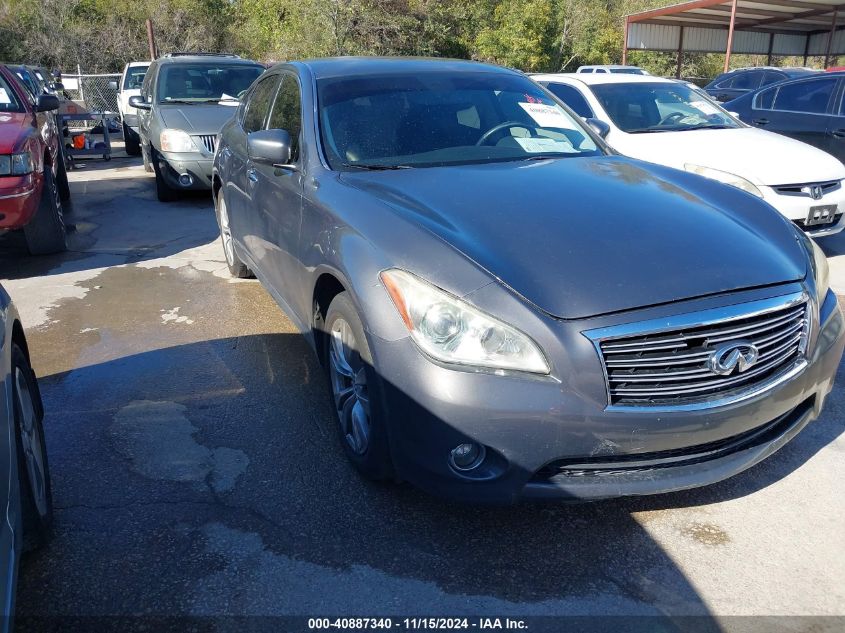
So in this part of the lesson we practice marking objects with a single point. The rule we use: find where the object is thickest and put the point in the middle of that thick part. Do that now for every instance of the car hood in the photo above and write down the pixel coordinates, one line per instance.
(579, 237)
(10, 130)
(764, 158)
(196, 119)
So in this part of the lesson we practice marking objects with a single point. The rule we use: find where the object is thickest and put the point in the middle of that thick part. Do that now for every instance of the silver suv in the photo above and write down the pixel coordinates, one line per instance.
(185, 100)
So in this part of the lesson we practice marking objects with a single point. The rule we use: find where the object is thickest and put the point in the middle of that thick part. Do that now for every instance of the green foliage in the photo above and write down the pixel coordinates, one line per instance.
(533, 35)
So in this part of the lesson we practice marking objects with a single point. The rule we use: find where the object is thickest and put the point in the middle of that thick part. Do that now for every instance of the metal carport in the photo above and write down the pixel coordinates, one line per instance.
(754, 27)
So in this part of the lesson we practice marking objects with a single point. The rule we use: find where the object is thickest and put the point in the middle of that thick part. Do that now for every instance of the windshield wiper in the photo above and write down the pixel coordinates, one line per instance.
(376, 167)
(183, 101)
(547, 156)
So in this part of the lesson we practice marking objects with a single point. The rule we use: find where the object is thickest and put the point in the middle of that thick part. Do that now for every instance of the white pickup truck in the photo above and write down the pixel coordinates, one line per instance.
(130, 84)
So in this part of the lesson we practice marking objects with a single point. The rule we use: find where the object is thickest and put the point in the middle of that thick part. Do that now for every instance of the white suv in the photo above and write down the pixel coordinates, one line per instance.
(130, 84)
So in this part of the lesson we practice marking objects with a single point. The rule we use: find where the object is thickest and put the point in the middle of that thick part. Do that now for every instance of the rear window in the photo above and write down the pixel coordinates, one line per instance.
(9, 101)
(134, 78)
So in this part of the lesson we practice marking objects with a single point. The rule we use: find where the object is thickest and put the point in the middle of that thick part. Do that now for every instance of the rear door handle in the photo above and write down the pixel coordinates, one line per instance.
(840, 133)
(252, 175)
(760, 121)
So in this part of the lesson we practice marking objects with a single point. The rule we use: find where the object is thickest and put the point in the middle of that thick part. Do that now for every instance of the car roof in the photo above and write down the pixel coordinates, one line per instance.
(198, 59)
(591, 79)
(137, 64)
(355, 66)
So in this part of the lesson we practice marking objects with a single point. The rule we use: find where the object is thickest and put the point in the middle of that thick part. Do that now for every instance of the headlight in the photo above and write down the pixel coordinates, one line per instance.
(452, 331)
(176, 141)
(22, 164)
(818, 264)
(16, 164)
(722, 176)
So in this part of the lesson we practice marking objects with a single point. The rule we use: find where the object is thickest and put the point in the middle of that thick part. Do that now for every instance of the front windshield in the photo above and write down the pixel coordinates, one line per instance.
(134, 77)
(660, 107)
(204, 83)
(9, 101)
(443, 118)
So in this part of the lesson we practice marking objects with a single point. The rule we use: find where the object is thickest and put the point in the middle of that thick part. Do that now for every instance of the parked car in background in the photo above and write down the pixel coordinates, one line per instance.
(810, 109)
(612, 68)
(130, 85)
(664, 121)
(736, 83)
(33, 180)
(25, 492)
(185, 99)
(505, 307)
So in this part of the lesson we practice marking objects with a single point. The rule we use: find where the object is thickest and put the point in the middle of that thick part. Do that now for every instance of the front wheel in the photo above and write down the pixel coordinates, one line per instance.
(45, 233)
(164, 192)
(353, 378)
(36, 494)
(130, 142)
(236, 267)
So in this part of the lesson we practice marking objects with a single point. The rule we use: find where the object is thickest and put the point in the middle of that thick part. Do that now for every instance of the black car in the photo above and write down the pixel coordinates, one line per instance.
(736, 83)
(809, 109)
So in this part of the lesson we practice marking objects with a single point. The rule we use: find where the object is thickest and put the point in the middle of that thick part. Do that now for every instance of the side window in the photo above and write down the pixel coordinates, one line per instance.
(764, 100)
(772, 77)
(258, 104)
(148, 79)
(747, 81)
(287, 113)
(810, 97)
(571, 97)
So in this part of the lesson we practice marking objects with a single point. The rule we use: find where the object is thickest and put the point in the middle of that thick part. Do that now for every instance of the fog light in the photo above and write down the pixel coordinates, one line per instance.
(186, 180)
(467, 456)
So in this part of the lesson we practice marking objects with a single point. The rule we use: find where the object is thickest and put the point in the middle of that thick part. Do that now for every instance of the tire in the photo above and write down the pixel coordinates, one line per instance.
(164, 192)
(36, 493)
(355, 391)
(131, 142)
(148, 166)
(61, 177)
(45, 233)
(236, 267)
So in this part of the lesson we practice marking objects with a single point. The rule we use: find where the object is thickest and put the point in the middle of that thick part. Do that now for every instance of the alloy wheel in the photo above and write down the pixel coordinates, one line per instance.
(349, 386)
(32, 443)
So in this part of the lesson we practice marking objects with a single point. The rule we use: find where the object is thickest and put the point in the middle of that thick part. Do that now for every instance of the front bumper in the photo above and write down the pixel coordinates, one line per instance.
(797, 209)
(550, 438)
(197, 166)
(18, 200)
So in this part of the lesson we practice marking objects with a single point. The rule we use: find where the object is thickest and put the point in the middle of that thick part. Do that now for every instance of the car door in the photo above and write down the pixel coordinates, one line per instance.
(242, 187)
(836, 124)
(144, 115)
(277, 198)
(798, 109)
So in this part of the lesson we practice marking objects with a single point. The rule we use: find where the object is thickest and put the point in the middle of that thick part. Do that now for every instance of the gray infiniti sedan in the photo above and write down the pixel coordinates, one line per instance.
(504, 307)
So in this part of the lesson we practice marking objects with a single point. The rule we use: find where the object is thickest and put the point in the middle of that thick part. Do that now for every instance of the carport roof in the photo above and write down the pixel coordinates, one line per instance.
(761, 27)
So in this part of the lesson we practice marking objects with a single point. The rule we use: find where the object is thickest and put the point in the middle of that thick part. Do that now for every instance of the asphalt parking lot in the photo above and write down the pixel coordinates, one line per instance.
(196, 469)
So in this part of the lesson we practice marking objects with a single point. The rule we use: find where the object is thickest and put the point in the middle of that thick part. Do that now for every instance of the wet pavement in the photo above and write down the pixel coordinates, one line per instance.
(197, 471)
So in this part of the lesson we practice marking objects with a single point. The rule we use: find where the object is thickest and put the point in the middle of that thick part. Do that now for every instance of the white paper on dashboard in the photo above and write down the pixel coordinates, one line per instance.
(4, 96)
(547, 116)
(706, 108)
(543, 145)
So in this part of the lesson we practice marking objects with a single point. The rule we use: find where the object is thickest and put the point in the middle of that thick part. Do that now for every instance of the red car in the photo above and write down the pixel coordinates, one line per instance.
(33, 180)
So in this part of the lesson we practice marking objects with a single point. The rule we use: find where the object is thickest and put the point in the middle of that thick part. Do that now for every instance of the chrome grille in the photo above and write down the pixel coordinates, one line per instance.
(207, 142)
(805, 189)
(675, 366)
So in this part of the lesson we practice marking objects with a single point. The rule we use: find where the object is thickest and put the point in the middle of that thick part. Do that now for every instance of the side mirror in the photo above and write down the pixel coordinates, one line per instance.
(138, 101)
(598, 126)
(45, 103)
(271, 147)
(112, 85)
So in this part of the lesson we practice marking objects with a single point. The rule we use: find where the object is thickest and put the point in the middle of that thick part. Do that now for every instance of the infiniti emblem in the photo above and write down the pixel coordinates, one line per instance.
(739, 355)
(814, 191)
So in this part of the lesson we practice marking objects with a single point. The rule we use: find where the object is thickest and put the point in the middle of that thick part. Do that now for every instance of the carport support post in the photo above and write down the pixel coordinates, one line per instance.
(151, 40)
(730, 36)
(830, 37)
(680, 54)
(625, 43)
(771, 48)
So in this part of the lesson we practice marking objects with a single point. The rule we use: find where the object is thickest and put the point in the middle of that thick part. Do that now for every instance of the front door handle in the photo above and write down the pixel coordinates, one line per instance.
(840, 133)
(252, 175)
(760, 121)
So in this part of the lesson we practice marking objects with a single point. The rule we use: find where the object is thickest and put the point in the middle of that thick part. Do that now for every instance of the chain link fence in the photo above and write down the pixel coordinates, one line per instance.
(98, 93)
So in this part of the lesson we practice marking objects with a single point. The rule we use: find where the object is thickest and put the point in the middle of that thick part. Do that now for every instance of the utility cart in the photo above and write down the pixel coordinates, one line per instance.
(72, 151)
